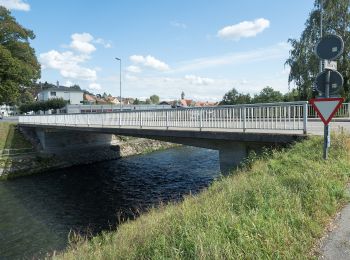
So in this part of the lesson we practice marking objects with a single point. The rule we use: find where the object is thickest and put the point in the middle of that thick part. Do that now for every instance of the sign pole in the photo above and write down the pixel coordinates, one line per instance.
(327, 137)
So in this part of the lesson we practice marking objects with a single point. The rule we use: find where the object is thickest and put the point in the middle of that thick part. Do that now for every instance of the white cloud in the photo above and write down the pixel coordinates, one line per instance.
(82, 42)
(196, 80)
(69, 83)
(15, 5)
(133, 69)
(244, 29)
(129, 77)
(137, 58)
(178, 24)
(95, 86)
(68, 64)
(104, 43)
(149, 61)
(277, 51)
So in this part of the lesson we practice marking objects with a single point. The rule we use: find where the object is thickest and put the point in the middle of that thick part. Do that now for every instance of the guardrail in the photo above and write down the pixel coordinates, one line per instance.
(274, 116)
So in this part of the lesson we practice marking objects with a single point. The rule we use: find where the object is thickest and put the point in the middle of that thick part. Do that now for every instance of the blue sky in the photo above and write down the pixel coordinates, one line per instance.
(201, 47)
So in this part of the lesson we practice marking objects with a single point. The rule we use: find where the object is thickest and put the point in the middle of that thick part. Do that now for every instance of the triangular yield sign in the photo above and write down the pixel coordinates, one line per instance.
(326, 107)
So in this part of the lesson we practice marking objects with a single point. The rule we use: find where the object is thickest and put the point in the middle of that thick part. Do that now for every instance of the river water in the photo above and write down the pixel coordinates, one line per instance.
(38, 212)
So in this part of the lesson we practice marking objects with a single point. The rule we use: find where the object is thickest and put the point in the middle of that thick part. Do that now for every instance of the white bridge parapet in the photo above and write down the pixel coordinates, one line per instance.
(268, 116)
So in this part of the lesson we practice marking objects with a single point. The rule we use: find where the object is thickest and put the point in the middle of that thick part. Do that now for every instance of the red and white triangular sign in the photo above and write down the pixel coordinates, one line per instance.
(326, 107)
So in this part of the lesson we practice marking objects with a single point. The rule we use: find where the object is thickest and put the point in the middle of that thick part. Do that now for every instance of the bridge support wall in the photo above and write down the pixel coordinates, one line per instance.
(231, 155)
(233, 147)
(74, 148)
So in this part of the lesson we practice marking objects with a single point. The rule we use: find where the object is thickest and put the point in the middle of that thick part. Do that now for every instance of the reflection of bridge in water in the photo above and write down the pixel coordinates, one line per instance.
(232, 130)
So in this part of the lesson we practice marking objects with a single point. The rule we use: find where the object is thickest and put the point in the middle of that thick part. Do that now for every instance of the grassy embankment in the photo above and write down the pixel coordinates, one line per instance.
(11, 138)
(278, 208)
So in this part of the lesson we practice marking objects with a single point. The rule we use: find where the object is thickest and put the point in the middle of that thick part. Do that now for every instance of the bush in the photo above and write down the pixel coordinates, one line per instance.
(55, 103)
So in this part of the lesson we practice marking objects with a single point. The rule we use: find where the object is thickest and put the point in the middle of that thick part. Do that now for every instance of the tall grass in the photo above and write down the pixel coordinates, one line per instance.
(11, 138)
(278, 208)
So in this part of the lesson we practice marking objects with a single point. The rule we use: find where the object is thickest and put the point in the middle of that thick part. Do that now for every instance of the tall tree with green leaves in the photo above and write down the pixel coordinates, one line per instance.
(154, 99)
(303, 61)
(268, 95)
(232, 97)
(19, 66)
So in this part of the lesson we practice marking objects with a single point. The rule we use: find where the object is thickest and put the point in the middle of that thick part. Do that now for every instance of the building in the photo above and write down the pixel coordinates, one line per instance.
(6, 110)
(205, 104)
(89, 99)
(72, 95)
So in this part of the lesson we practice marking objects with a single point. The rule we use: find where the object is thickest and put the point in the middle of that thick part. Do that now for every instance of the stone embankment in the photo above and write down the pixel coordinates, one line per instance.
(12, 166)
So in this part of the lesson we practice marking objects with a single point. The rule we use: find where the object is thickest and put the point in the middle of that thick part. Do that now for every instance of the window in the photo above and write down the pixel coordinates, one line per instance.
(53, 93)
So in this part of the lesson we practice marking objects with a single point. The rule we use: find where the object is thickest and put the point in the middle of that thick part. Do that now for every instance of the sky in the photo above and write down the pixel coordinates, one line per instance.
(201, 47)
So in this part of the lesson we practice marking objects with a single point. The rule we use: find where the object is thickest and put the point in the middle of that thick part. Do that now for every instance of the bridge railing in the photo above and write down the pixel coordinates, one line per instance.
(271, 116)
(344, 111)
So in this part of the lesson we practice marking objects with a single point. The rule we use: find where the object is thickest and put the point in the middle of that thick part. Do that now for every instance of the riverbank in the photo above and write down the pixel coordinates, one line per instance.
(278, 207)
(18, 157)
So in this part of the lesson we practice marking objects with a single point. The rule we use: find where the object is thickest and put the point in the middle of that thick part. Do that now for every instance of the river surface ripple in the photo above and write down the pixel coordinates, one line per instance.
(38, 212)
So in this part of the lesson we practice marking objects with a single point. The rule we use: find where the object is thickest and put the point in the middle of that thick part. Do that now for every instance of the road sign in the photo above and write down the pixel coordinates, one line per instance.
(335, 82)
(326, 107)
(330, 47)
(330, 65)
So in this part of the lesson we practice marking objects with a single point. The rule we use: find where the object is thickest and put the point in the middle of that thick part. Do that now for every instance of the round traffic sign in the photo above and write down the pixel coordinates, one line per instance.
(335, 82)
(330, 47)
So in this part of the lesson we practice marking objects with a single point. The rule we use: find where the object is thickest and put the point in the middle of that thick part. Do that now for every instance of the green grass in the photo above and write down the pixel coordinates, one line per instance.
(276, 209)
(11, 138)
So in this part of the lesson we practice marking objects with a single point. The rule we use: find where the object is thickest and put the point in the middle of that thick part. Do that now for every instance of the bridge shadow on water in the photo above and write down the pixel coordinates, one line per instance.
(42, 210)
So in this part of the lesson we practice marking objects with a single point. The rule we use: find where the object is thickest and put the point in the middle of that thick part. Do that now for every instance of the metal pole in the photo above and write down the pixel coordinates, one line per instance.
(321, 33)
(120, 82)
(327, 137)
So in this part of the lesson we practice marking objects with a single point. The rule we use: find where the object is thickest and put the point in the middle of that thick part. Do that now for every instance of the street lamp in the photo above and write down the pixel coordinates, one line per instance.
(120, 81)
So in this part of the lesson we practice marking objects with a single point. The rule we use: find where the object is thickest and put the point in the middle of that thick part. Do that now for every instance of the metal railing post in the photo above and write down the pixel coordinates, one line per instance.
(167, 120)
(305, 118)
(200, 119)
(244, 118)
(140, 119)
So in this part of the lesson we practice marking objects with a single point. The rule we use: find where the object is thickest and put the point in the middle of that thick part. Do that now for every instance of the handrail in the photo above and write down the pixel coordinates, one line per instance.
(272, 116)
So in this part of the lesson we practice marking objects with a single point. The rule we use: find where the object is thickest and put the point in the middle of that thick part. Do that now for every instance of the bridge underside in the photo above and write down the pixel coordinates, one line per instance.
(233, 147)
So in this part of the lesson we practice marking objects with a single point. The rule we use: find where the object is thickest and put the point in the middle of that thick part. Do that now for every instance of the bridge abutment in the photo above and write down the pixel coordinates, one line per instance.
(231, 155)
(76, 147)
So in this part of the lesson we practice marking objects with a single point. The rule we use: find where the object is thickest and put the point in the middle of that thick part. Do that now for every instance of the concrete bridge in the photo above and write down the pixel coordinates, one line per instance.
(232, 130)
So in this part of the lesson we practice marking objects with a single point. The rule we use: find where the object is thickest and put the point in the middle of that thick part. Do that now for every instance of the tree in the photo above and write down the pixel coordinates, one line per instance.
(25, 97)
(54, 103)
(268, 95)
(302, 60)
(18, 64)
(233, 97)
(154, 99)
(136, 101)
(292, 95)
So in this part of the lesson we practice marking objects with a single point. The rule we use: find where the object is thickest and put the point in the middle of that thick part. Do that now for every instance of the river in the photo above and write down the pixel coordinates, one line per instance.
(37, 213)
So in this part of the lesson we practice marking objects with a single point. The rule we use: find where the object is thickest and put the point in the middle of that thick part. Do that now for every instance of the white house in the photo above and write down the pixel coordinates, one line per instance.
(72, 95)
(6, 110)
